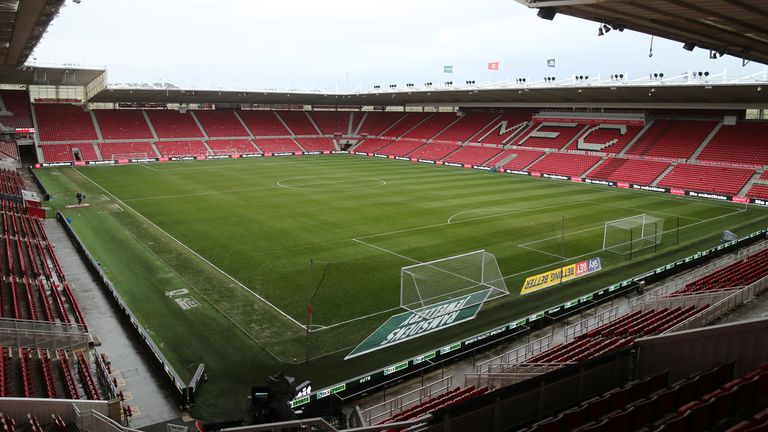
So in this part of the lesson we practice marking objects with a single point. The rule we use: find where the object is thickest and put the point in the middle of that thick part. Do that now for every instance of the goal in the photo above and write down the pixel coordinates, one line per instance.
(632, 234)
(459, 276)
(221, 152)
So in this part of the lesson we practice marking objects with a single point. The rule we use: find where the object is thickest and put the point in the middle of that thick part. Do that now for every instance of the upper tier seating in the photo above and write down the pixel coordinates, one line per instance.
(764, 175)
(231, 147)
(378, 123)
(464, 129)
(181, 148)
(173, 124)
(500, 130)
(473, 155)
(707, 178)
(400, 148)
(332, 122)
(522, 158)
(430, 127)
(565, 164)
(744, 143)
(406, 124)
(65, 152)
(642, 172)
(758, 191)
(220, 123)
(316, 144)
(18, 112)
(109, 151)
(434, 151)
(371, 145)
(604, 135)
(277, 145)
(263, 123)
(298, 122)
(63, 122)
(564, 134)
(441, 401)
(123, 124)
(672, 139)
(46, 374)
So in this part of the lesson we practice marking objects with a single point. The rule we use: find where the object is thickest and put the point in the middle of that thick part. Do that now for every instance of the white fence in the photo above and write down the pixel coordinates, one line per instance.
(42, 334)
(518, 354)
(593, 322)
(389, 408)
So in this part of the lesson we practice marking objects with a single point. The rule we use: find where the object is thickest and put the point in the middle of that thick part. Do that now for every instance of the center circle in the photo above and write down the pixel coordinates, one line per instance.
(331, 183)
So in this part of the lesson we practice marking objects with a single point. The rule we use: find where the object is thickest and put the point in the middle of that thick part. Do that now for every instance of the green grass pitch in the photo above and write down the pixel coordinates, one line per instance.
(233, 239)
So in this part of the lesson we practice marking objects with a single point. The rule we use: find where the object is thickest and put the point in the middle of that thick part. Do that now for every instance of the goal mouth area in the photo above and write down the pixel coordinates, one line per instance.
(443, 286)
(632, 234)
(446, 310)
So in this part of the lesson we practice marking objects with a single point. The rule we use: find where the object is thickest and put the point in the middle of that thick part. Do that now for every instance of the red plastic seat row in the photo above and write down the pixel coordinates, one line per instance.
(92, 392)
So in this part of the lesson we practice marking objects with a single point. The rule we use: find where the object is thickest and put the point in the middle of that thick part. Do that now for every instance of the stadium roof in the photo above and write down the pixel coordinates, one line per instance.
(39, 75)
(702, 94)
(22, 25)
(734, 27)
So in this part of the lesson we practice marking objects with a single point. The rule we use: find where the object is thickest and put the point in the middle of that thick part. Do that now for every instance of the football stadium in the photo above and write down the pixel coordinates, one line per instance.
(569, 252)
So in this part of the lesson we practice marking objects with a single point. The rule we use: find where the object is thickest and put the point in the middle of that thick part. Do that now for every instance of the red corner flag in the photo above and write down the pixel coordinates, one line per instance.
(493, 66)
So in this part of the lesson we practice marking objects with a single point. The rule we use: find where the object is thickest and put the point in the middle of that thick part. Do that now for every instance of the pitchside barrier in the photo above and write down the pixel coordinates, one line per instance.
(435, 358)
(183, 393)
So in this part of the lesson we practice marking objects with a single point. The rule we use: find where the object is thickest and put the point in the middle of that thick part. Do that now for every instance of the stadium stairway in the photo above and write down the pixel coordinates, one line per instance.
(706, 141)
(637, 137)
(96, 126)
(664, 173)
(151, 129)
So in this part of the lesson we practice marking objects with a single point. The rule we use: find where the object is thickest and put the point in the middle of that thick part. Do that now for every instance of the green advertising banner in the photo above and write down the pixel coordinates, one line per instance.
(408, 325)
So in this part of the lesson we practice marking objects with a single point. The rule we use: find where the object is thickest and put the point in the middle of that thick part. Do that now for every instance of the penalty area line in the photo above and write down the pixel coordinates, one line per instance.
(265, 301)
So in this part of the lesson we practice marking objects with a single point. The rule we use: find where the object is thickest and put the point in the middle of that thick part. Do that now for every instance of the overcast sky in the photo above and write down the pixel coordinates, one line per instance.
(333, 44)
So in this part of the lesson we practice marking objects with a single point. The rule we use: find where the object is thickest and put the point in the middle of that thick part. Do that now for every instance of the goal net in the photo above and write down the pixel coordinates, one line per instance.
(459, 276)
(221, 152)
(632, 234)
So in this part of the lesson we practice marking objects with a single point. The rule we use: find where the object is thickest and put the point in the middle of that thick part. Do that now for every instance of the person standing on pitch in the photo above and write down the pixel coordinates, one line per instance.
(79, 197)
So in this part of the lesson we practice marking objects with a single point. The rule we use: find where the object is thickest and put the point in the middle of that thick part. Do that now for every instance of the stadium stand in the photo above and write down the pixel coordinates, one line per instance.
(40, 374)
(638, 171)
(758, 191)
(220, 123)
(332, 122)
(181, 148)
(442, 401)
(707, 178)
(400, 148)
(434, 151)
(605, 134)
(126, 150)
(263, 123)
(743, 143)
(508, 125)
(565, 164)
(404, 125)
(473, 155)
(298, 122)
(63, 122)
(277, 145)
(9, 149)
(764, 176)
(231, 147)
(117, 124)
(464, 129)
(66, 152)
(522, 158)
(18, 113)
(316, 144)
(371, 145)
(174, 124)
(672, 139)
(431, 126)
(377, 123)
(738, 274)
(11, 182)
(561, 135)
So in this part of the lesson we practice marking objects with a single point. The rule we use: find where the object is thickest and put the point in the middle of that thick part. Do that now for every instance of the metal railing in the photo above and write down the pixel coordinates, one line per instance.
(393, 406)
(518, 354)
(511, 374)
(727, 304)
(320, 425)
(92, 421)
(42, 334)
(684, 301)
(587, 324)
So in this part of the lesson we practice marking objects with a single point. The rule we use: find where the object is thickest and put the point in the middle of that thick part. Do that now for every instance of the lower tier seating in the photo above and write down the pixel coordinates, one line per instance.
(565, 164)
(231, 147)
(642, 172)
(758, 191)
(126, 150)
(277, 145)
(707, 178)
(181, 148)
(473, 155)
(741, 273)
(67, 152)
(434, 151)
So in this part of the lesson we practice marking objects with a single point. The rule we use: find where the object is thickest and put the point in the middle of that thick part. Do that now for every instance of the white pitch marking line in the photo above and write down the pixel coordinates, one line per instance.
(194, 253)
(201, 193)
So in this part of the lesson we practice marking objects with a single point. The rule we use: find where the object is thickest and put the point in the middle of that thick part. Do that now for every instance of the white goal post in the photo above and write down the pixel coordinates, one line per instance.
(222, 152)
(632, 234)
(433, 282)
